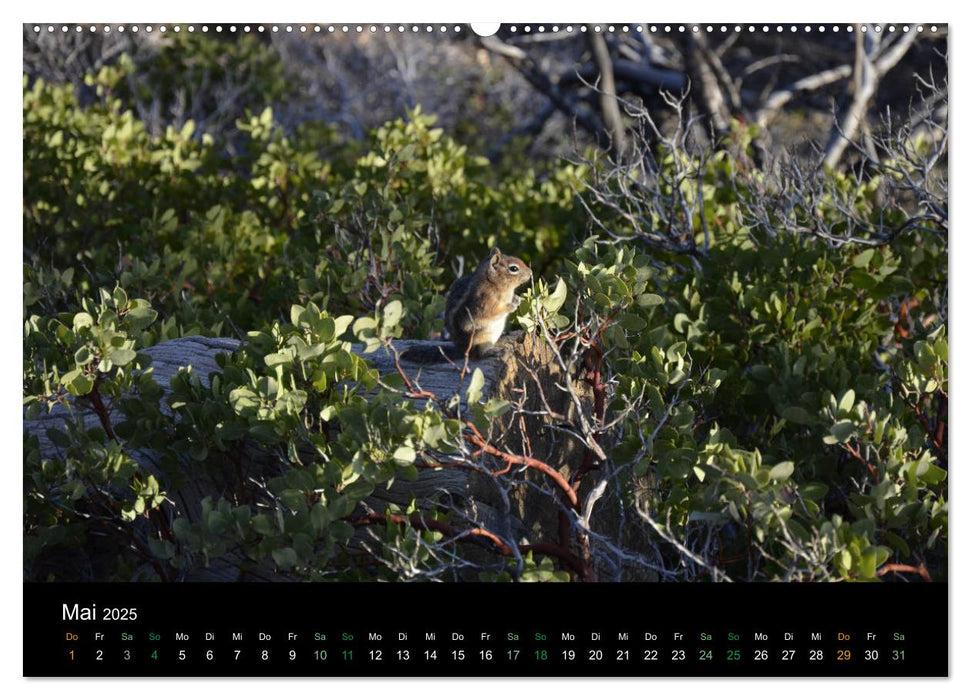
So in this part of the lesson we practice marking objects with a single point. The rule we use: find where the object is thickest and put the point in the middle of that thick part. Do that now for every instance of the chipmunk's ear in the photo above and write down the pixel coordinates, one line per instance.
(495, 257)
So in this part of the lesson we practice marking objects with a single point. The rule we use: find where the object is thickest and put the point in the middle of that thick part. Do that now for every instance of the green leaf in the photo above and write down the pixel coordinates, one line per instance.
(676, 351)
(77, 383)
(341, 324)
(83, 356)
(474, 392)
(862, 280)
(120, 297)
(799, 531)
(392, 313)
(141, 317)
(680, 321)
(930, 473)
(243, 400)
(846, 403)
(554, 301)
(864, 258)
(326, 330)
(278, 358)
(631, 322)
(845, 559)
(263, 525)
(285, 558)
(926, 359)
(405, 455)
(58, 437)
(782, 471)
(715, 518)
(840, 432)
(82, 320)
(494, 408)
(868, 563)
(364, 327)
(814, 491)
(898, 543)
(264, 431)
(434, 435)
(122, 356)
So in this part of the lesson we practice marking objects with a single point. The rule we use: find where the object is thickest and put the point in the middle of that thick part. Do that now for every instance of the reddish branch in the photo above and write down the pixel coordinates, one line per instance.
(583, 567)
(855, 451)
(905, 569)
(422, 524)
(594, 378)
(101, 411)
(936, 433)
(476, 438)
(903, 325)
(565, 556)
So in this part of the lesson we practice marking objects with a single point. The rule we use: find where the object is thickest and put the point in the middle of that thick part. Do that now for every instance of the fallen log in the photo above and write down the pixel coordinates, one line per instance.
(476, 495)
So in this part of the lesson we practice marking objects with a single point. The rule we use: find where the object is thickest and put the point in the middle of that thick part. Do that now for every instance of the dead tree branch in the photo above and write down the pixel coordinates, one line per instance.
(703, 76)
(541, 81)
(870, 66)
(608, 94)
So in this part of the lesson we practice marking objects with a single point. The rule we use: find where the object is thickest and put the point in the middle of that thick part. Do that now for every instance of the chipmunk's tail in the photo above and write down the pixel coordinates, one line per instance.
(430, 353)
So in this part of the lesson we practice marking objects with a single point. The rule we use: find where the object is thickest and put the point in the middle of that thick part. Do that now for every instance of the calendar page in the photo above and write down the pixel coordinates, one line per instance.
(337, 335)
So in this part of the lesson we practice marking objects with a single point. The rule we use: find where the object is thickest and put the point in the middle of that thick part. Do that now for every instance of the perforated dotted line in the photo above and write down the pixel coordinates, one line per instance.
(457, 29)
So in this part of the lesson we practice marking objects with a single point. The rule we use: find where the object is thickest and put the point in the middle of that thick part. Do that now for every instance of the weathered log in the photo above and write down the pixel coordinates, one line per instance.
(511, 502)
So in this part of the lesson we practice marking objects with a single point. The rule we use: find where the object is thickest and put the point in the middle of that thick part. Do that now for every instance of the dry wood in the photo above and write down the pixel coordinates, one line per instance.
(538, 78)
(608, 92)
(873, 61)
(778, 99)
(710, 96)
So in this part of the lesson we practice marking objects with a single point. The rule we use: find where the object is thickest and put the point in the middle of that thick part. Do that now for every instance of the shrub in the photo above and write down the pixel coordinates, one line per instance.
(758, 371)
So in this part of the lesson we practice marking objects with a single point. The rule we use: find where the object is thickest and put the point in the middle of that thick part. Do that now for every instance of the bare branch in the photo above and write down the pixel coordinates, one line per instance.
(608, 95)
(706, 81)
(870, 67)
(778, 99)
(538, 78)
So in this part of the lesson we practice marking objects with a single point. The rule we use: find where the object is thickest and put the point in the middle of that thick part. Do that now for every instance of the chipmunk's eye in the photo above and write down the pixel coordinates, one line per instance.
(514, 269)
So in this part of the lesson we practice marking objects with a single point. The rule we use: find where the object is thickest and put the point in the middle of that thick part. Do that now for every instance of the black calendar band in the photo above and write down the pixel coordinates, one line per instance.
(430, 630)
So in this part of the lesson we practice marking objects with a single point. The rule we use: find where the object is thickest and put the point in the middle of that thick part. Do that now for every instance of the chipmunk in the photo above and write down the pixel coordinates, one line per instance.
(476, 308)
(477, 305)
